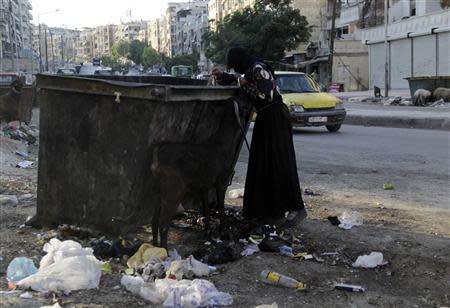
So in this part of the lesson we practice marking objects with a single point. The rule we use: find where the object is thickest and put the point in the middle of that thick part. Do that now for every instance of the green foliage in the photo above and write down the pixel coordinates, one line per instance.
(445, 4)
(267, 30)
(136, 51)
(115, 63)
(150, 56)
(121, 49)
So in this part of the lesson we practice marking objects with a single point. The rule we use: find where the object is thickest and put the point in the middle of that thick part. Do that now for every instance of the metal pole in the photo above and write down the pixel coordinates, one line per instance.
(62, 51)
(386, 49)
(333, 35)
(46, 49)
(40, 48)
(52, 50)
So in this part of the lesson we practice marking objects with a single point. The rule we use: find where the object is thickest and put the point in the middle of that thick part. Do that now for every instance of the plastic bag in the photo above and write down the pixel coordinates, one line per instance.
(349, 220)
(370, 261)
(145, 253)
(236, 193)
(187, 268)
(66, 267)
(20, 268)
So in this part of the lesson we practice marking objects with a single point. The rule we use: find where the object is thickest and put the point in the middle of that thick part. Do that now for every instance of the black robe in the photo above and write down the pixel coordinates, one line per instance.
(272, 186)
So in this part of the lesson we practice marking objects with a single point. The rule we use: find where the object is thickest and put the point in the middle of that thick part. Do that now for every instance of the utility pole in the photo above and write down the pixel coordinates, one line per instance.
(332, 37)
(386, 49)
(62, 51)
(40, 48)
(52, 50)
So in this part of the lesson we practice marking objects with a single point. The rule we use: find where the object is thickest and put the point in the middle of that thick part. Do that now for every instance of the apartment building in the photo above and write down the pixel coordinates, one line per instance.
(219, 9)
(16, 34)
(154, 34)
(129, 31)
(103, 40)
(85, 46)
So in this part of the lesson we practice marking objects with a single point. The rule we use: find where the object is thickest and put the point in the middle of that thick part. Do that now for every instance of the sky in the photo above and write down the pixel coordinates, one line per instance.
(89, 13)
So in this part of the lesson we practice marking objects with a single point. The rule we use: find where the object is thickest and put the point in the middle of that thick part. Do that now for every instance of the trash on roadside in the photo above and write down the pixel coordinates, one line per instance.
(286, 251)
(173, 293)
(370, 261)
(55, 305)
(106, 268)
(236, 193)
(273, 305)
(18, 269)
(26, 164)
(47, 235)
(66, 267)
(8, 200)
(309, 192)
(388, 186)
(182, 225)
(272, 244)
(334, 220)
(350, 219)
(25, 197)
(219, 253)
(21, 154)
(145, 253)
(329, 253)
(317, 258)
(276, 279)
(349, 287)
(114, 249)
(188, 268)
(303, 256)
(26, 295)
(250, 250)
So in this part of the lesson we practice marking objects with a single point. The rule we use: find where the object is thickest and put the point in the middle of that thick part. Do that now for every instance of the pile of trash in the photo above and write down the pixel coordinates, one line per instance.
(21, 132)
(162, 277)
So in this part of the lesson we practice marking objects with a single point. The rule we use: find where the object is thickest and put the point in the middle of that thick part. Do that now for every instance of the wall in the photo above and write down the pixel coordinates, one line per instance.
(350, 65)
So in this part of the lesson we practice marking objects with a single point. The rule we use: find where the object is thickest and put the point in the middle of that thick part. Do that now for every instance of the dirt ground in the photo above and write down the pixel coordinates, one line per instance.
(414, 241)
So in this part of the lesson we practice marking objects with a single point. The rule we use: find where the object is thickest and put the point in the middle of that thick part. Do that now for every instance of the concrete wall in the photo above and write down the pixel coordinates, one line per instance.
(351, 65)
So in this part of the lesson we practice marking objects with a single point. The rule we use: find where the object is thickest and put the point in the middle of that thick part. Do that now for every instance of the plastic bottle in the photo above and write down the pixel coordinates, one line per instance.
(277, 279)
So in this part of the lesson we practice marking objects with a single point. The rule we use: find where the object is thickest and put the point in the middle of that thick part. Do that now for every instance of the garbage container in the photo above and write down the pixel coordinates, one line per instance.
(429, 83)
(97, 136)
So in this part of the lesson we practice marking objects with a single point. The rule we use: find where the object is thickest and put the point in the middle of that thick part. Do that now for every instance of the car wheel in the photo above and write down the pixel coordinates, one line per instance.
(333, 128)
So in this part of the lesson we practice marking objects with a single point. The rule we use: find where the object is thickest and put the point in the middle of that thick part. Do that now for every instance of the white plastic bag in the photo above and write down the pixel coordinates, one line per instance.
(370, 261)
(349, 220)
(236, 193)
(66, 267)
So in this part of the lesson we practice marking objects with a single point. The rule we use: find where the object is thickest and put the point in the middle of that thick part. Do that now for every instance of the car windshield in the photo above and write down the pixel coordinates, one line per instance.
(294, 84)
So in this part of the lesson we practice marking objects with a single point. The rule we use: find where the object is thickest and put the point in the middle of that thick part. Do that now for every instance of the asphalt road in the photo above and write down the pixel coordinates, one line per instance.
(353, 165)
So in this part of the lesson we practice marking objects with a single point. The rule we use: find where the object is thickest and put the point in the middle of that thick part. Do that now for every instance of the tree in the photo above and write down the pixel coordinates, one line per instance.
(181, 60)
(136, 51)
(445, 4)
(114, 63)
(267, 30)
(121, 49)
(150, 56)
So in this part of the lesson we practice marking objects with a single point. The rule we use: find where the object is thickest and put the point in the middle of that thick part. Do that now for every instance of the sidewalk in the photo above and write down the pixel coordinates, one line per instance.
(369, 114)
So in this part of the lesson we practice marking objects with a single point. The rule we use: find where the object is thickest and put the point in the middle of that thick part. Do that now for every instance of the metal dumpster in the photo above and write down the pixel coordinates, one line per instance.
(97, 136)
(429, 83)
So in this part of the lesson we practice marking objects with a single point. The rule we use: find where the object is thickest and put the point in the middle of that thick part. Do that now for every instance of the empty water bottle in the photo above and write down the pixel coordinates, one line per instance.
(20, 268)
(277, 279)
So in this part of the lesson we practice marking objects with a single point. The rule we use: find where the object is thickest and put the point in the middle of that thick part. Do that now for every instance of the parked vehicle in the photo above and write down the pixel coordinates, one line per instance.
(66, 71)
(185, 71)
(308, 106)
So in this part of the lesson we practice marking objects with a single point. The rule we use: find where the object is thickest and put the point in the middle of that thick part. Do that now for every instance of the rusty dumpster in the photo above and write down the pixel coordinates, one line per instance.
(97, 136)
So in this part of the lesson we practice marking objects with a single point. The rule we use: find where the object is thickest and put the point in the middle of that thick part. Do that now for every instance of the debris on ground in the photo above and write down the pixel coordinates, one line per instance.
(22, 154)
(286, 251)
(187, 268)
(250, 250)
(334, 220)
(350, 219)
(26, 295)
(25, 164)
(309, 192)
(8, 200)
(19, 268)
(174, 293)
(388, 186)
(66, 267)
(349, 287)
(372, 260)
(274, 278)
(236, 193)
(273, 305)
(145, 253)
(21, 132)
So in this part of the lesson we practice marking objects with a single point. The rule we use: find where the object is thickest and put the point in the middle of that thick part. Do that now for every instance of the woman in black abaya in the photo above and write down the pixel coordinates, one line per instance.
(272, 186)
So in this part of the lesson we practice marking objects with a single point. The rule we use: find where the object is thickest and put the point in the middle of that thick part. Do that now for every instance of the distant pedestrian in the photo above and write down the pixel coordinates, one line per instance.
(272, 186)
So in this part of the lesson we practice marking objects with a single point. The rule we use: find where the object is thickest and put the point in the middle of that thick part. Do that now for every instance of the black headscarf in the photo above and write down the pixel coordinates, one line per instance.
(240, 60)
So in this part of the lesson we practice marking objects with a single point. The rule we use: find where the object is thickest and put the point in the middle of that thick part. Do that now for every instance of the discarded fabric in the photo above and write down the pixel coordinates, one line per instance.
(145, 253)
(349, 220)
(236, 193)
(66, 267)
(188, 268)
(370, 261)
(173, 293)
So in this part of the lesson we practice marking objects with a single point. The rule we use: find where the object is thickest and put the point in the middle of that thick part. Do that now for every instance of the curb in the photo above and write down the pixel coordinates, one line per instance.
(399, 122)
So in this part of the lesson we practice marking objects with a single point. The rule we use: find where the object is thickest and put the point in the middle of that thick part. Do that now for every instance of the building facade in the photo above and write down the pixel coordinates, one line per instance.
(103, 40)
(16, 35)
(418, 43)
(219, 9)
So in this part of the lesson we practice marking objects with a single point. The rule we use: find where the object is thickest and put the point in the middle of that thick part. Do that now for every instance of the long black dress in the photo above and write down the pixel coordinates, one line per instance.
(272, 186)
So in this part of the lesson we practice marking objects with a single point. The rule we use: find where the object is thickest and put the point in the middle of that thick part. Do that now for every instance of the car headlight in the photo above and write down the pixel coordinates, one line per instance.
(296, 108)
(339, 106)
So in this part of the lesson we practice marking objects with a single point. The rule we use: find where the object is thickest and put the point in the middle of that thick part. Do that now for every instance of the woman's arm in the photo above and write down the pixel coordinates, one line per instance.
(263, 87)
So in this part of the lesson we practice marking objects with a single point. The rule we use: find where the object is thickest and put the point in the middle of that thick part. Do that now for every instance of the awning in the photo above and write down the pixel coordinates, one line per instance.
(312, 61)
